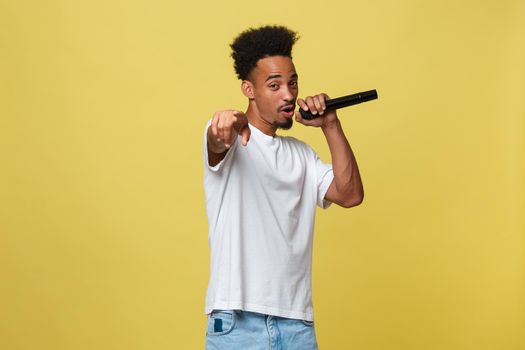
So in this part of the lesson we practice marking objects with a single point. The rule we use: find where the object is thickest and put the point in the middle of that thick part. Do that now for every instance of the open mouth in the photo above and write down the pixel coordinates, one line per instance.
(288, 110)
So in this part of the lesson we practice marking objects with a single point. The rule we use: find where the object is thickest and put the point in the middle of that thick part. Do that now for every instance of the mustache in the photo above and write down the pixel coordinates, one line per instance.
(287, 106)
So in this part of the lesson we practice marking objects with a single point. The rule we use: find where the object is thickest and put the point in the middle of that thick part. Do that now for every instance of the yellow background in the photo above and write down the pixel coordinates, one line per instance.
(103, 235)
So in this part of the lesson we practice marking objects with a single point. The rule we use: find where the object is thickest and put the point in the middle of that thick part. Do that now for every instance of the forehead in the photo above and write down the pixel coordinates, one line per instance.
(274, 65)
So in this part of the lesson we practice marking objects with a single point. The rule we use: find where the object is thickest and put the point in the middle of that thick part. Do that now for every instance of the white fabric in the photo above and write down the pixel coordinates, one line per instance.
(260, 203)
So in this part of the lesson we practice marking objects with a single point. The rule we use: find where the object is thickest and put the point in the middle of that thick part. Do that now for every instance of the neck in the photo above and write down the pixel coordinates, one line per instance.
(255, 118)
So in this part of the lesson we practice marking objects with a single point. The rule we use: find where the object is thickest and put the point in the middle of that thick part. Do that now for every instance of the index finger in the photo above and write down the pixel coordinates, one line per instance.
(302, 104)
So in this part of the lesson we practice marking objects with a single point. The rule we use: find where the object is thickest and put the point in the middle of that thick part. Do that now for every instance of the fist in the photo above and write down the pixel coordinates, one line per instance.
(317, 106)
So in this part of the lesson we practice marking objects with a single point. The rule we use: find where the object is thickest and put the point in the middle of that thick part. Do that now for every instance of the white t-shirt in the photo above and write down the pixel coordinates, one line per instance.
(260, 203)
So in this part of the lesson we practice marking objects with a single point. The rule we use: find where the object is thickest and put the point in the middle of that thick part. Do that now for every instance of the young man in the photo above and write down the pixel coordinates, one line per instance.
(261, 193)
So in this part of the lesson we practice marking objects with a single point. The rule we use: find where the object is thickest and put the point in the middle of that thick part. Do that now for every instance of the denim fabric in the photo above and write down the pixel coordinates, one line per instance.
(243, 330)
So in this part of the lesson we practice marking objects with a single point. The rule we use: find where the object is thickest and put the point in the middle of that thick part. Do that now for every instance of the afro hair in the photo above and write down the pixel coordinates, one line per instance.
(256, 43)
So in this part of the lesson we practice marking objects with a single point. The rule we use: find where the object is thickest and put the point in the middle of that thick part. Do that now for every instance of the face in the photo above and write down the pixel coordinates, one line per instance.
(275, 88)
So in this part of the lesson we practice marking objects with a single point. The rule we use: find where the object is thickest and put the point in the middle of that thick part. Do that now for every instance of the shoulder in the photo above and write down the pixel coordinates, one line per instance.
(294, 141)
(297, 144)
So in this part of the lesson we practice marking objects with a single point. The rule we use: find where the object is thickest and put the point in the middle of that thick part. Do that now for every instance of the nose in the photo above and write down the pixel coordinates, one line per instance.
(288, 94)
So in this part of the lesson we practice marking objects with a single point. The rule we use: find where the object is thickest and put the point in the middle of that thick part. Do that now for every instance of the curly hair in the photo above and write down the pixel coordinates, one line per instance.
(256, 43)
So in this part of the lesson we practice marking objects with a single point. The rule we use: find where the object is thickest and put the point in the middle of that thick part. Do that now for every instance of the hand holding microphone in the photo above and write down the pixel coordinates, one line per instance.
(336, 103)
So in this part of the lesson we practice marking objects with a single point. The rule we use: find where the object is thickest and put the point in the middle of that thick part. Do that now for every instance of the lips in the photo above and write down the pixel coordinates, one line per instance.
(288, 110)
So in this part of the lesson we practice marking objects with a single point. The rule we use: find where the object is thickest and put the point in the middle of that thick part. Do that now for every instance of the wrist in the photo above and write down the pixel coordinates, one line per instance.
(331, 125)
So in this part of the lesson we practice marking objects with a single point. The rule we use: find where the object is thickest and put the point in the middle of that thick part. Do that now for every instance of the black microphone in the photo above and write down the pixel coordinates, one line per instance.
(341, 102)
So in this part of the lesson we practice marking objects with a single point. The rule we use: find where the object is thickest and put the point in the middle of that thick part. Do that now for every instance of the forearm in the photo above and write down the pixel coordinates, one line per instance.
(346, 172)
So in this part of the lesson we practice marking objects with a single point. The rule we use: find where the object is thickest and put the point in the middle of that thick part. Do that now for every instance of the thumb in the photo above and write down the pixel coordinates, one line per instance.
(245, 133)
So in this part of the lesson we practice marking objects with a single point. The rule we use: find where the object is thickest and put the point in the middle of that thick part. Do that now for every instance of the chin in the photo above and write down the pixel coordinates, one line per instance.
(287, 124)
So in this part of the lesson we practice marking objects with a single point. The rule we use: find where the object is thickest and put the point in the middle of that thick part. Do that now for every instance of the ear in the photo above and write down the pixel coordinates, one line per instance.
(247, 89)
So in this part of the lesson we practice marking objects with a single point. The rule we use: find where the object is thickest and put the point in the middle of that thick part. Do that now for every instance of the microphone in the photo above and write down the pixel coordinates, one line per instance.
(341, 102)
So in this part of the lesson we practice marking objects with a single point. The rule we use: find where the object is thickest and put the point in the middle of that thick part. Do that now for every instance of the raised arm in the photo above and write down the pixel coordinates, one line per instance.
(346, 189)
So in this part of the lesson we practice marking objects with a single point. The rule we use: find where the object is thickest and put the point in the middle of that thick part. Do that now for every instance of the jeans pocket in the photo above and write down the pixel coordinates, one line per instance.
(308, 323)
(220, 322)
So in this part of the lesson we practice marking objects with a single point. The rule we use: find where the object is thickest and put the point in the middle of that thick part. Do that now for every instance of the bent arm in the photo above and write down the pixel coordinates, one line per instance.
(346, 189)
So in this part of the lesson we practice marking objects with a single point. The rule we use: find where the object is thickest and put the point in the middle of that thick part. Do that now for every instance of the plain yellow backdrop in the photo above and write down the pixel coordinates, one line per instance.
(103, 234)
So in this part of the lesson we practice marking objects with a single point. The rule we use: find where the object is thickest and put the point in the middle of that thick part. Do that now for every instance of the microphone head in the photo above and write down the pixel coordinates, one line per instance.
(307, 115)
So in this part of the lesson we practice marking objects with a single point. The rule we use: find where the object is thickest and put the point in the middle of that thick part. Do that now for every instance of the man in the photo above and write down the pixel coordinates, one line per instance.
(261, 193)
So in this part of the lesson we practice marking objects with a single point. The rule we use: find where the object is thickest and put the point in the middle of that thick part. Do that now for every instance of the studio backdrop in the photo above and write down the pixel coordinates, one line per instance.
(103, 233)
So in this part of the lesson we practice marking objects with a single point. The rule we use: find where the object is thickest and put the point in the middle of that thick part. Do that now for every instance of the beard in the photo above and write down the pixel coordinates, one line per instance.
(286, 125)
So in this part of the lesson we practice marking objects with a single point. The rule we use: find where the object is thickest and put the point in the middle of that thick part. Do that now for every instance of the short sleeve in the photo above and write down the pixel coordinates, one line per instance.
(217, 167)
(325, 176)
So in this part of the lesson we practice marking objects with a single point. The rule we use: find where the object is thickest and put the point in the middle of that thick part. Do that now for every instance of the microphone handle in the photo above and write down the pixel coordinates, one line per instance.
(341, 102)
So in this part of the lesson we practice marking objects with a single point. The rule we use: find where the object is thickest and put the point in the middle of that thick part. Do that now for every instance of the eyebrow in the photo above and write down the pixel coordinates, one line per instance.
(279, 76)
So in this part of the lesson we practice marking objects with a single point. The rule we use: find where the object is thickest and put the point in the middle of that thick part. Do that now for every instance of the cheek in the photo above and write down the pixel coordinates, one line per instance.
(267, 101)
(272, 104)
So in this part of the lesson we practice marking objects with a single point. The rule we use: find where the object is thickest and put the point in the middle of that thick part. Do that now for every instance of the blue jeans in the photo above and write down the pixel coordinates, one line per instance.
(244, 330)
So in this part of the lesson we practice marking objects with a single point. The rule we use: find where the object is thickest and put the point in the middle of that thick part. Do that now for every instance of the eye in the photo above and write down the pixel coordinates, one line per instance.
(294, 83)
(274, 86)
